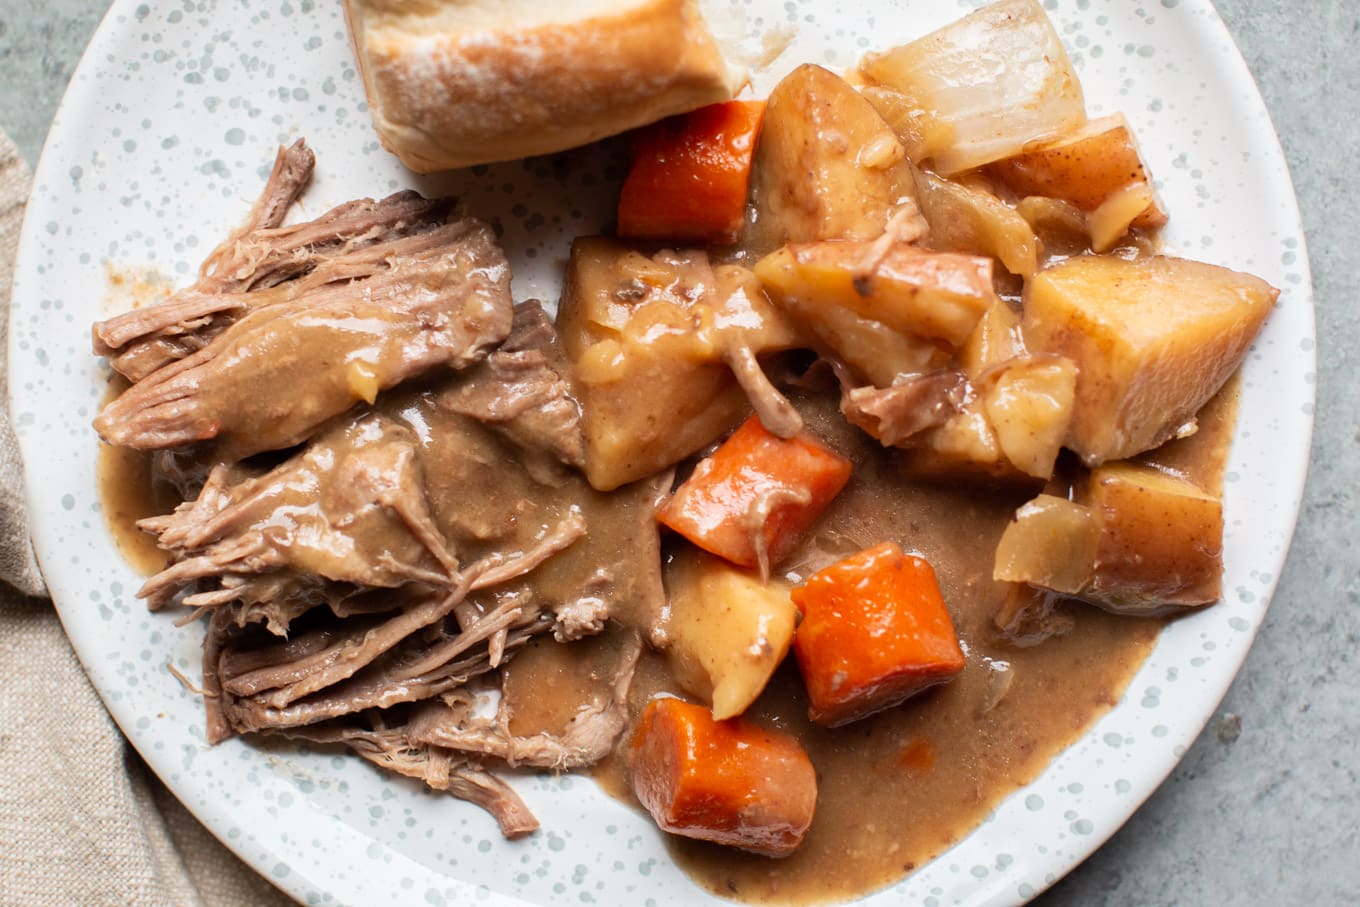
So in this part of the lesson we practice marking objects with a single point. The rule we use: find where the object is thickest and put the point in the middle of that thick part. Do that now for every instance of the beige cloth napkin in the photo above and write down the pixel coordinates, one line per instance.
(82, 820)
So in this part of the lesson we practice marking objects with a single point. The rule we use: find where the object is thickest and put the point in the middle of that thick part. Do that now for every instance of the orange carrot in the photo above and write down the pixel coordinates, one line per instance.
(875, 632)
(690, 175)
(731, 782)
(751, 500)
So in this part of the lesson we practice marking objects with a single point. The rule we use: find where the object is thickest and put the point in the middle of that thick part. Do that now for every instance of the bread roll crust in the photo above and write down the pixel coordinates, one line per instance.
(452, 83)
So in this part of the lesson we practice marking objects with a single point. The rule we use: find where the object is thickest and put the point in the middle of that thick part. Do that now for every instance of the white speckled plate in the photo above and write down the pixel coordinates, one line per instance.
(165, 135)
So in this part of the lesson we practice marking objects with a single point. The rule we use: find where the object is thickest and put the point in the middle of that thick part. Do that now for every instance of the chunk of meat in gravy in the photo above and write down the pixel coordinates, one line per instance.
(142, 340)
(349, 508)
(366, 240)
(271, 378)
(454, 617)
(432, 646)
(589, 735)
(522, 392)
(614, 569)
(260, 255)
(912, 404)
(292, 171)
(381, 499)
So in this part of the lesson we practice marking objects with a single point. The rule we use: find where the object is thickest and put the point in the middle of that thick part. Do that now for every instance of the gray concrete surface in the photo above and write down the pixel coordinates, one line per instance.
(1265, 808)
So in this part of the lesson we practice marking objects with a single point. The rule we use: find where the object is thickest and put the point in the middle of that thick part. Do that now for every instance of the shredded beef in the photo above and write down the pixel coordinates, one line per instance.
(270, 379)
(371, 556)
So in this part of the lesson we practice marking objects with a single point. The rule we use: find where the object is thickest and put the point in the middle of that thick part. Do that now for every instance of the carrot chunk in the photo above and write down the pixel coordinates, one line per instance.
(751, 500)
(730, 782)
(875, 632)
(690, 175)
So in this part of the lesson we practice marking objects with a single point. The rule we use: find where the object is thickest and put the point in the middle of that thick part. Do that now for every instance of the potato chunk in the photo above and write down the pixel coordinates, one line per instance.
(728, 631)
(933, 295)
(1099, 170)
(1153, 340)
(1159, 542)
(827, 166)
(1141, 542)
(649, 338)
(964, 448)
(868, 346)
(1085, 168)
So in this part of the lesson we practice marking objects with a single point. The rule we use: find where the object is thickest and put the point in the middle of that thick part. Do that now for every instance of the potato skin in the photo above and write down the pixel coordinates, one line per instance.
(827, 165)
(1084, 168)
(1029, 403)
(1159, 541)
(935, 296)
(1140, 541)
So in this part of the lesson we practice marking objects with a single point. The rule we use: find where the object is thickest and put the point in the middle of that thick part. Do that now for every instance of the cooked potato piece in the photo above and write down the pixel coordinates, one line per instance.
(876, 350)
(648, 337)
(1153, 340)
(970, 219)
(1050, 543)
(1029, 404)
(1087, 168)
(934, 295)
(728, 631)
(827, 166)
(655, 414)
(1159, 543)
(1142, 542)
(990, 84)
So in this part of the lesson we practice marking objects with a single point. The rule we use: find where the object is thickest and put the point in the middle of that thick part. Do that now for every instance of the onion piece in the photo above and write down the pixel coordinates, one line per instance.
(993, 82)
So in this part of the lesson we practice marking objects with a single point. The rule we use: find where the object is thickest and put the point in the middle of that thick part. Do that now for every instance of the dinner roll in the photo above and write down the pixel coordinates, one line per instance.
(452, 83)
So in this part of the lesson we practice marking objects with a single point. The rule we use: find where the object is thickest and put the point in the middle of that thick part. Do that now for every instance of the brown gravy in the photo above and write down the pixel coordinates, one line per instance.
(899, 788)
(127, 493)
